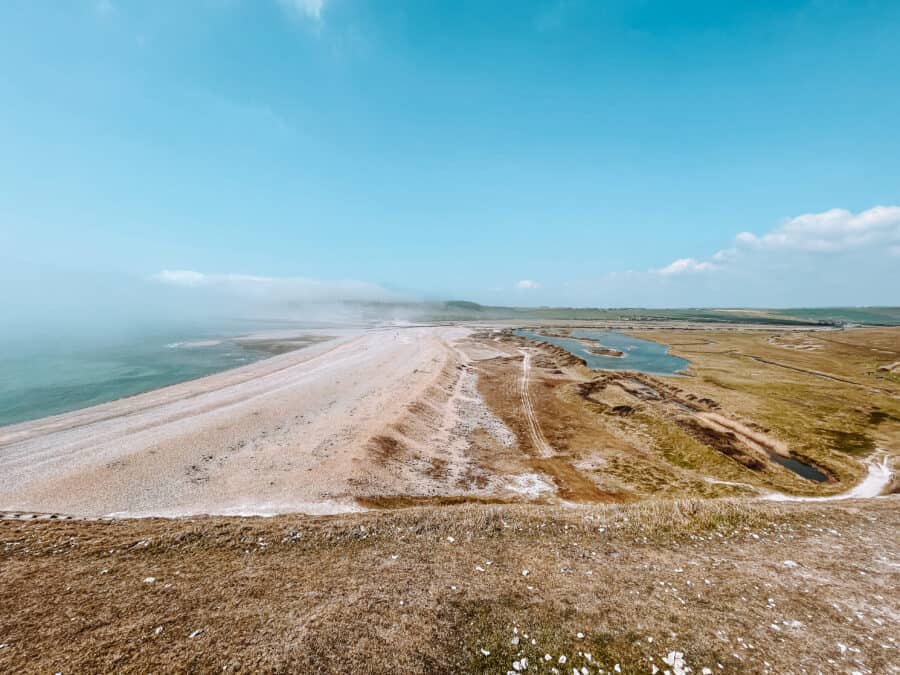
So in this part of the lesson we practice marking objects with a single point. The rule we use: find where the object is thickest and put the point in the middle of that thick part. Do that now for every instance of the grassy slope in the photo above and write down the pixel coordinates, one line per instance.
(390, 592)
(831, 421)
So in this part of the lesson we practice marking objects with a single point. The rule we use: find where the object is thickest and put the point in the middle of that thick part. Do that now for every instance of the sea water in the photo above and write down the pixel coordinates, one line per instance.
(37, 381)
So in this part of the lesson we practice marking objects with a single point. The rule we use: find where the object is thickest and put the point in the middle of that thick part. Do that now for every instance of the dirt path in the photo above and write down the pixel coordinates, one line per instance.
(541, 446)
(878, 477)
(818, 373)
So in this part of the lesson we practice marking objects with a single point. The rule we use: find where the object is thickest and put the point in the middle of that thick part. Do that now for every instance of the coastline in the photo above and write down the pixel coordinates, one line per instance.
(283, 434)
(65, 382)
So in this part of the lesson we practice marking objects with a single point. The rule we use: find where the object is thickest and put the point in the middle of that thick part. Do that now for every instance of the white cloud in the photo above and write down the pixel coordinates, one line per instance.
(725, 255)
(687, 266)
(276, 289)
(308, 9)
(832, 230)
(527, 284)
(181, 277)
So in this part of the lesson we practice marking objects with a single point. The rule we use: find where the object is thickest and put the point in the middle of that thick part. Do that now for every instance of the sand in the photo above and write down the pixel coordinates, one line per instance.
(286, 434)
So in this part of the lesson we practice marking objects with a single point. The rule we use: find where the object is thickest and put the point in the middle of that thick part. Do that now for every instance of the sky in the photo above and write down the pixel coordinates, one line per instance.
(547, 152)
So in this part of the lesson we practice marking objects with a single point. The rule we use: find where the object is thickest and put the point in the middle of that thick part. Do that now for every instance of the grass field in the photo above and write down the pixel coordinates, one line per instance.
(753, 408)
(736, 586)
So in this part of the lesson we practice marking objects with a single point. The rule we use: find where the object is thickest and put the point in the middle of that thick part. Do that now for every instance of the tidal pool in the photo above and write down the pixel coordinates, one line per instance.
(643, 356)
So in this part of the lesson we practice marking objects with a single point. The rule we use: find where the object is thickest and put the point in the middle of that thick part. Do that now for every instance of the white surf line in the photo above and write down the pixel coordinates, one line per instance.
(537, 436)
(878, 477)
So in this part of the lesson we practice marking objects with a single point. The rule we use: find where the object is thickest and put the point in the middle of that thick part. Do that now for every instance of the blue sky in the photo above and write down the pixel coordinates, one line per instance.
(559, 152)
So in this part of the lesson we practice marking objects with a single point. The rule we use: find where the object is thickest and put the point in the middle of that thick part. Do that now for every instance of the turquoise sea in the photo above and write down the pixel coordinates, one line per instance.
(40, 381)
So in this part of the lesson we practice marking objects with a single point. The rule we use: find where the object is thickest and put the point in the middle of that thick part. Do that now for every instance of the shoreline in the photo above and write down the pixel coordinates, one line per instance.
(289, 431)
(249, 339)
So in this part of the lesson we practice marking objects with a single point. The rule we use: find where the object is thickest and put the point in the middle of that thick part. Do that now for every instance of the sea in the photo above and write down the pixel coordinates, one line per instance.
(49, 377)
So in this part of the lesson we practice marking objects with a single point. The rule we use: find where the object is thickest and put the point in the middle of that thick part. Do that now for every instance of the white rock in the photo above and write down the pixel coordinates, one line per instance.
(676, 660)
(485, 652)
(149, 580)
(451, 539)
(524, 573)
(790, 563)
(197, 633)
(562, 659)
(580, 636)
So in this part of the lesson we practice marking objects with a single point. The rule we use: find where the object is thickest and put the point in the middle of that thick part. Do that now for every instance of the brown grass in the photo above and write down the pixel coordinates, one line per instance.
(828, 407)
(384, 449)
(389, 592)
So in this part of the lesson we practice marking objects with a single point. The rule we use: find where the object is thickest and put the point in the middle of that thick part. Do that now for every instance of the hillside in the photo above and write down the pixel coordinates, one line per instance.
(718, 586)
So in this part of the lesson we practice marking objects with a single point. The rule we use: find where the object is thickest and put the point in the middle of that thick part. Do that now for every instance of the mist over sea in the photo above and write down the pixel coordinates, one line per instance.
(50, 375)
(38, 383)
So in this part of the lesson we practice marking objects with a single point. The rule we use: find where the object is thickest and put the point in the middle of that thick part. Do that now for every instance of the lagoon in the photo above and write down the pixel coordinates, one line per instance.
(643, 356)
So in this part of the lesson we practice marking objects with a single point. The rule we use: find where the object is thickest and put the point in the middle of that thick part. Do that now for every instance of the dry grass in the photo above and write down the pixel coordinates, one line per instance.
(389, 592)
(641, 436)
(831, 404)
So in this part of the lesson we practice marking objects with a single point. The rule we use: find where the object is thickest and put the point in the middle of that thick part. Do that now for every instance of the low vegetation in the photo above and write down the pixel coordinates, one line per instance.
(724, 585)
